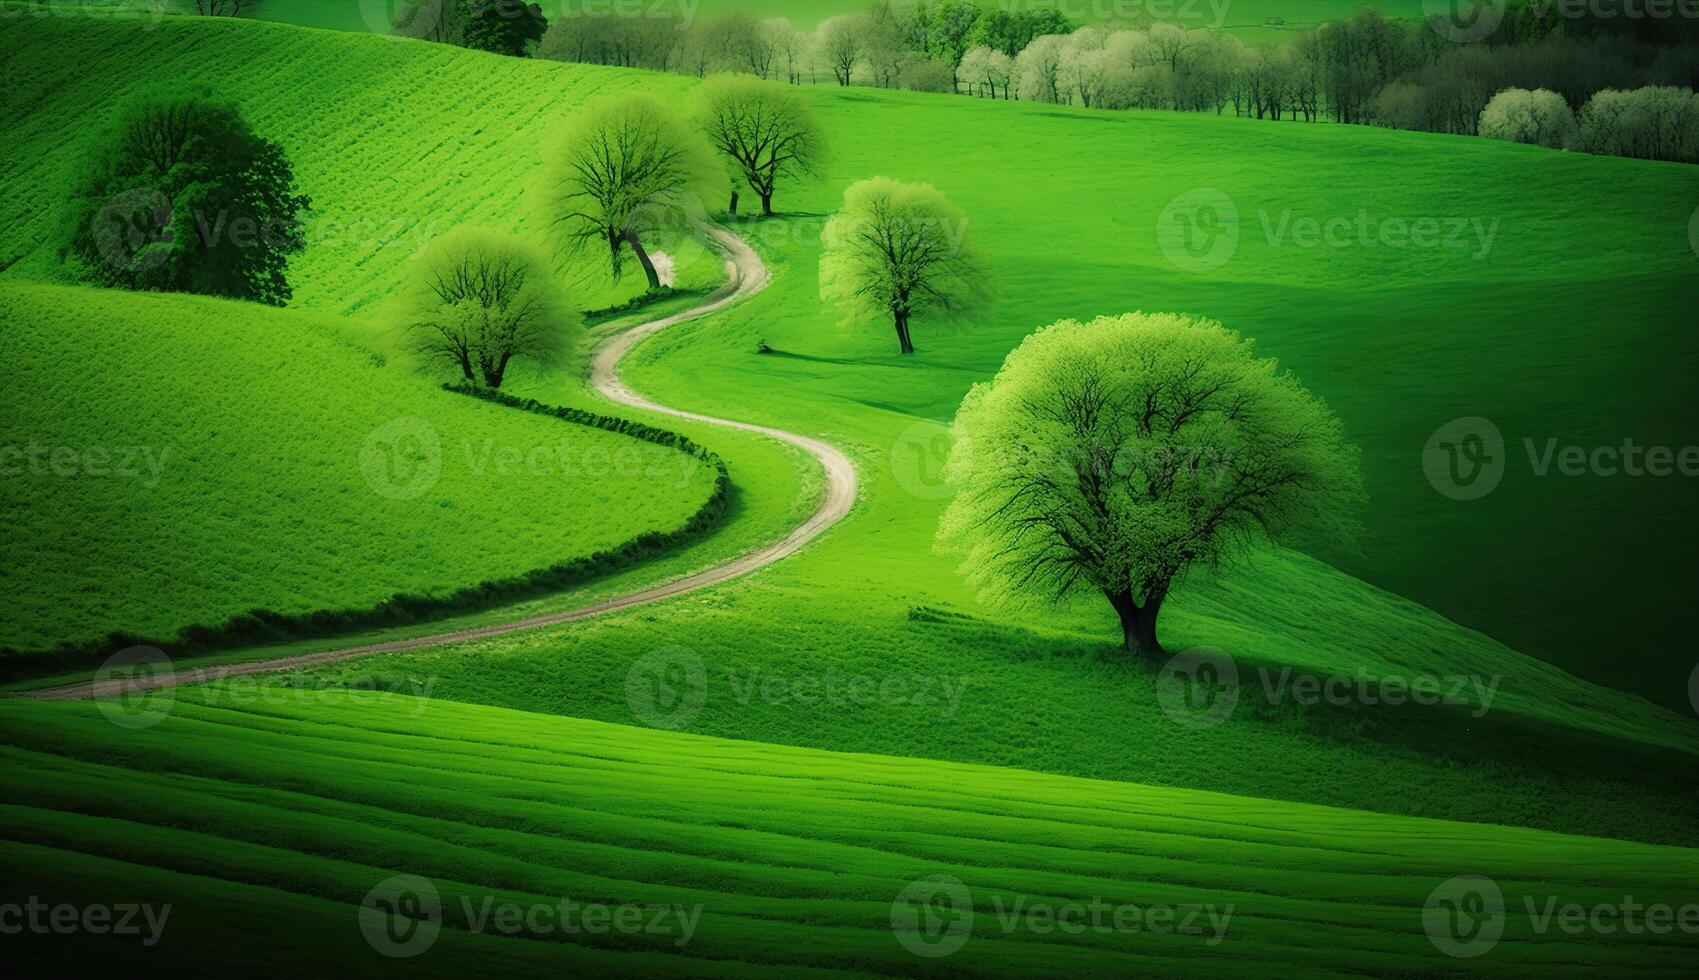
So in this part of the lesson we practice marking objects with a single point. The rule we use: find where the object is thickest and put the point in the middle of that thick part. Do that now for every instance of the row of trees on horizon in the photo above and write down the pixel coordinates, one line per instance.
(1368, 69)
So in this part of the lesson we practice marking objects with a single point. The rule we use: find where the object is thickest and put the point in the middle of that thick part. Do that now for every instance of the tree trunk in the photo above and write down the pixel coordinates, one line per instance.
(1138, 623)
(905, 345)
(767, 204)
(643, 259)
(731, 209)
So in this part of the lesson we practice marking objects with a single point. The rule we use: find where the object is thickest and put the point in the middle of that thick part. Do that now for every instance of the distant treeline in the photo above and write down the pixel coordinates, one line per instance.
(1625, 76)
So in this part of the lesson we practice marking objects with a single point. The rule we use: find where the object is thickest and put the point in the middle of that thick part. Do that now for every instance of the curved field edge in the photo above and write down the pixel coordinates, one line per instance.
(260, 626)
(292, 471)
(791, 857)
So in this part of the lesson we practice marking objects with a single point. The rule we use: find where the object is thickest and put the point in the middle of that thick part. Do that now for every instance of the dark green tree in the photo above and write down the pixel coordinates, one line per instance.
(181, 195)
(1011, 31)
(504, 26)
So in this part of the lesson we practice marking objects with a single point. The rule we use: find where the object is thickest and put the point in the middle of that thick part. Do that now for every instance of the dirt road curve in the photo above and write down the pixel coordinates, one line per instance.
(745, 276)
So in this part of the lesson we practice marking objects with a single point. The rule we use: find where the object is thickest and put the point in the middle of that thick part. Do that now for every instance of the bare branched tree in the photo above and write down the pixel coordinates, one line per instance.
(625, 166)
(766, 129)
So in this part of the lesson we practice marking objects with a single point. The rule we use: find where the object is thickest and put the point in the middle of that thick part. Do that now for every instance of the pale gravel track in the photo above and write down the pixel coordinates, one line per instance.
(745, 276)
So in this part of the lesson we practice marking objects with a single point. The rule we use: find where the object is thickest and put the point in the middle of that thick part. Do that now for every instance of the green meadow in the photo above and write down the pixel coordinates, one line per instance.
(861, 722)
(225, 458)
(769, 858)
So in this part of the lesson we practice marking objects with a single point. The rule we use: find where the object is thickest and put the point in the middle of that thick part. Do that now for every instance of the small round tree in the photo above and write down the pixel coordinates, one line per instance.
(623, 167)
(765, 129)
(1112, 457)
(1540, 117)
(181, 195)
(899, 249)
(479, 299)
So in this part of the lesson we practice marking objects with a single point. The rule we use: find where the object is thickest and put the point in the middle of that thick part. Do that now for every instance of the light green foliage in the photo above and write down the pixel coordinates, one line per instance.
(179, 461)
(765, 129)
(1540, 117)
(896, 250)
(625, 168)
(1109, 458)
(481, 299)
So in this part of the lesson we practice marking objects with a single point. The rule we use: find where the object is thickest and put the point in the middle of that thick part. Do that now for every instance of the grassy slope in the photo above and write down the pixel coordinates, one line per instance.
(258, 420)
(387, 165)
(794, 856)
(848, 602)
(1573, 327)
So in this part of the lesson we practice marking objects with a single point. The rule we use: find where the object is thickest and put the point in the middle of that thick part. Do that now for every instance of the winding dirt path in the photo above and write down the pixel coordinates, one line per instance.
(745, 276)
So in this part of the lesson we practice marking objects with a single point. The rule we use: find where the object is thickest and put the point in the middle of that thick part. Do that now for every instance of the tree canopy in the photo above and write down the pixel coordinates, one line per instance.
(510, 27)
(766, 129)
(481, 298)
(1111, 457)
(900, 249)
(625, 166)
(181, 195)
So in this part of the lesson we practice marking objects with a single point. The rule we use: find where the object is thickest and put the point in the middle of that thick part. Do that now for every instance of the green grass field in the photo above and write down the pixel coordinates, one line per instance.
(1393, 338)
(215, 457)
(789, 859)
(1017, 751)
(1537, 334)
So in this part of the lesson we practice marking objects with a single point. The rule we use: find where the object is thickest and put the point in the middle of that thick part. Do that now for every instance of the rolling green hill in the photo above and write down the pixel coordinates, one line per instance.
(177, 461)
(389, 147)
(1442, 335)
(766, 857)
(1019, 753)
(1507, 318)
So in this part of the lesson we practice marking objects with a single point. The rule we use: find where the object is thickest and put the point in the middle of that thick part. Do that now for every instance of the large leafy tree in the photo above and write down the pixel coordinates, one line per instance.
(900, 249)
(626, 166)
(765, 129)
(1011, 31)
(180, 195)
(1110, 458)
(480, 299)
